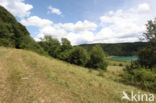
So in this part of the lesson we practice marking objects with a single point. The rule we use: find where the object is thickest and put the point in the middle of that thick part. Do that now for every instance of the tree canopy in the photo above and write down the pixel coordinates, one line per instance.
(97, 58)
(147, 56)
(14, 34)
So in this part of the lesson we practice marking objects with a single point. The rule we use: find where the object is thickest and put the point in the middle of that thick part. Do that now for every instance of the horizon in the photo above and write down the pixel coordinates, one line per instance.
(117, 43)
(95, 21)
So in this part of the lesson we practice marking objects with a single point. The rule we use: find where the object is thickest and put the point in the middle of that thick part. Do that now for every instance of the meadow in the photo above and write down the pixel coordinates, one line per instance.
(26, 77)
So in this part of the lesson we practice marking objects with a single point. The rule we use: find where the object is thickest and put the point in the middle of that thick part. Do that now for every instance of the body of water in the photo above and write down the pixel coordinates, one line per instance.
(124, 58)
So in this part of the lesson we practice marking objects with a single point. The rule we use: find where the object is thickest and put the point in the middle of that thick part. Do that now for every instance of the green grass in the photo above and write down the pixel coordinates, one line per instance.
(117, 63)
(26, 77)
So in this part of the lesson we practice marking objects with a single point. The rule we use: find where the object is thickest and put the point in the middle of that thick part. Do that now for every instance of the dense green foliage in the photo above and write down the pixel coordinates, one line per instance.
(142, 78)
(14, 34)
(51, 46)
(143, 71)
(74, 54)
(150, 34)
(66, 45)
(119, 49)
(64, 50)
(79, 56)
(97, 58)
(147, 56)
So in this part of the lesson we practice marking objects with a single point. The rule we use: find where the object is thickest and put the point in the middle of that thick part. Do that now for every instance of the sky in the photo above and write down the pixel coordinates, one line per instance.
(84, 21)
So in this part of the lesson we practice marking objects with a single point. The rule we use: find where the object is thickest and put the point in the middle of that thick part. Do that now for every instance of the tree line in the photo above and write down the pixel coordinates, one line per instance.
(74, 54)
(119, 49)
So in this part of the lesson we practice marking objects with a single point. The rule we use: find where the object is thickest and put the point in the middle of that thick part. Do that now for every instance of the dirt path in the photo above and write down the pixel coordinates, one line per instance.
(19, 83)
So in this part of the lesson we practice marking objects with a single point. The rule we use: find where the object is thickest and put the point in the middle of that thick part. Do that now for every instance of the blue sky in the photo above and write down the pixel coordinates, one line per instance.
(74, 10)
(84, 21)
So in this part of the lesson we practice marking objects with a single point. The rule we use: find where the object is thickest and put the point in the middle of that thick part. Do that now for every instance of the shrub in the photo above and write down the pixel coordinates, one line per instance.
(51, 46)
(142, 78)
(66, 45)
(120, 64)
(78, 56)
(97, 58)
(64, 55)
(147, 57)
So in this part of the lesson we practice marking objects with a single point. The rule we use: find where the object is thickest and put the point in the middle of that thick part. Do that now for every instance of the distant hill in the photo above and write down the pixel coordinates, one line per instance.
(13, 34)
(119, 49)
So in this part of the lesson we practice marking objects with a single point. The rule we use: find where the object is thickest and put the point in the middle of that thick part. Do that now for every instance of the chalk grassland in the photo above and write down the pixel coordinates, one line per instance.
(26, 77)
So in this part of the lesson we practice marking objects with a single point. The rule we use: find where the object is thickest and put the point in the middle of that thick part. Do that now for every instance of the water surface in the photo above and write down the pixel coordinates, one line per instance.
(124, 58)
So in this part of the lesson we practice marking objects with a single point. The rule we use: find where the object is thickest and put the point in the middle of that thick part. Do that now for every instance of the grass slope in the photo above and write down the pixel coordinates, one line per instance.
(26, 77)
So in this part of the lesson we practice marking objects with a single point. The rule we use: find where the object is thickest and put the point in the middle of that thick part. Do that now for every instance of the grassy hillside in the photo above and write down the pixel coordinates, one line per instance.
(26, 77)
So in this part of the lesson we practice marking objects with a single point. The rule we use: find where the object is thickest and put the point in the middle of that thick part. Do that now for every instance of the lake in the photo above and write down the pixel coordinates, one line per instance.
(124, 58)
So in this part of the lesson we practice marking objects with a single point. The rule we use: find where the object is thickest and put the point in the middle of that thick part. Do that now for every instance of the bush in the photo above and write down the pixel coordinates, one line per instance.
(97, 58)
(147, 57)
(78, 56)
(121, 64)
(64, 55)
(66, 45)
(141, 77)
(142, 72)
(51, 46)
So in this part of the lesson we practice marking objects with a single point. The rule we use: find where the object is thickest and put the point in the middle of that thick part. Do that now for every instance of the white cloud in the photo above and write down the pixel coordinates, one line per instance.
(128, 23)
(36, 21)
(58, 31)
(54, 10)
(80, 32)
(116, 26)
(122, 25)
(51, 30)
(17, 7)
(80, 26)
(144, 7)
(81, 37)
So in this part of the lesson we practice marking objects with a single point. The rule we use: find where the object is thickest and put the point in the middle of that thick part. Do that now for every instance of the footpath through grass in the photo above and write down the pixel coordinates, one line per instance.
(26, 77)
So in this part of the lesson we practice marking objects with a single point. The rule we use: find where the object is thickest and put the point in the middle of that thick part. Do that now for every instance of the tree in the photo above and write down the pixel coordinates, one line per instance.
(78, 56)
(51, 46)
(65, 49)
(150, 34)
(97, 58)
(137, 73)
(147, 56)
(66, 45)
(13, 34)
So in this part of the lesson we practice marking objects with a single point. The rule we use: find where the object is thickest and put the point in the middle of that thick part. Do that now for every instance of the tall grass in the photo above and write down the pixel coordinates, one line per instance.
(31, 78)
